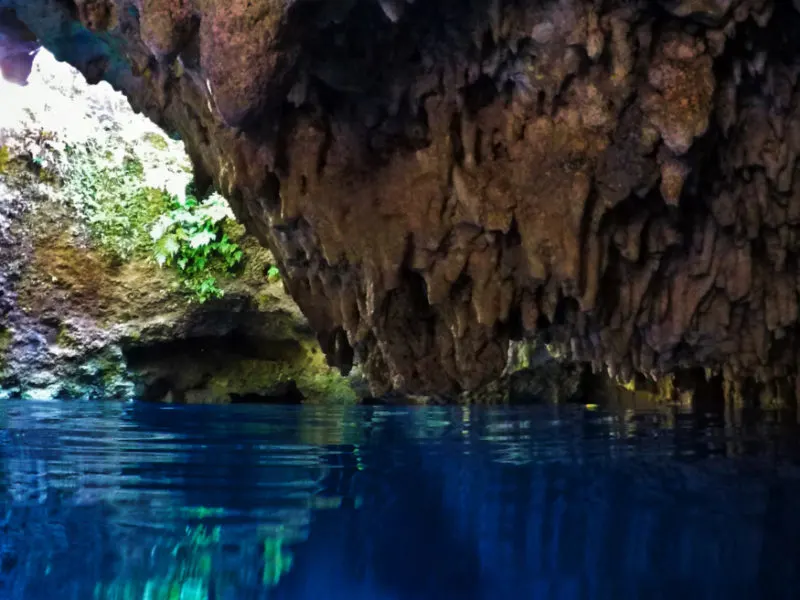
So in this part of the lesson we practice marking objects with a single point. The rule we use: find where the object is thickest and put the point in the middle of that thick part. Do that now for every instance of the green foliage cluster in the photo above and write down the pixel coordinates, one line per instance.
(190, 237)
(118, 208)
(273, 274)
(128, 220)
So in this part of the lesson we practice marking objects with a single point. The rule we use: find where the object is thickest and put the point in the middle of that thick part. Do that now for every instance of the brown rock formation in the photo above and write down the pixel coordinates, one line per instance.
(439, 177)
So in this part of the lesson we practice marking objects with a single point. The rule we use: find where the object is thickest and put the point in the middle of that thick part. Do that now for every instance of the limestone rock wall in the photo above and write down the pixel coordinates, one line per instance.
(437, 178)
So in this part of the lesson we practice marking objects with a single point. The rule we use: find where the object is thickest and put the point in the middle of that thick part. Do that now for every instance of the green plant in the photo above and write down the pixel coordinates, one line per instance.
(273, 274)
(118, 209)
(190, 238)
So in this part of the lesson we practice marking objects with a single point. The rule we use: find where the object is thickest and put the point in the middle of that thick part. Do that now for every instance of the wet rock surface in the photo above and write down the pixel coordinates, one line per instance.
(438, 178)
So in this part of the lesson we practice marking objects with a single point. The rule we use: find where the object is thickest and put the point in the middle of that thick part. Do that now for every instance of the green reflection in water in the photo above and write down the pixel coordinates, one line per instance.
(277, 560)
(190, 568)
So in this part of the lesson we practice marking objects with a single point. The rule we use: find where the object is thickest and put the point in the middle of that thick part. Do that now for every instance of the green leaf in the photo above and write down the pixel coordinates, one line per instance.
(202, 238)
(215, 211)
(170, 245)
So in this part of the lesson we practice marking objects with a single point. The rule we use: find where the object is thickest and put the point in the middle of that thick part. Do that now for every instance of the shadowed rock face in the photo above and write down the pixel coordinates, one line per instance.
(438, 177)
(18, 47)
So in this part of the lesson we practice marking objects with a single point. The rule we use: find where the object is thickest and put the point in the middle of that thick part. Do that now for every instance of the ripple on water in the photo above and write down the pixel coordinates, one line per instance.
(143, 501)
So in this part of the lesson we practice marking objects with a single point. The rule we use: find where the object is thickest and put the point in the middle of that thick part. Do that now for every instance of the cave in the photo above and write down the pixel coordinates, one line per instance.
(512, 308)
(437, 180)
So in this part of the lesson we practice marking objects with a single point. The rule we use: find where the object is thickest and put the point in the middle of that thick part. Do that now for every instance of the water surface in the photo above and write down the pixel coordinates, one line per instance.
(137, 501)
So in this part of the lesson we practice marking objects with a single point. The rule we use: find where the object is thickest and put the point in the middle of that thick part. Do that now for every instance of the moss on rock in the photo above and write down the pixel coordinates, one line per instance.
(304, 367)
(156, 140)
(6, 339)
(4, 158)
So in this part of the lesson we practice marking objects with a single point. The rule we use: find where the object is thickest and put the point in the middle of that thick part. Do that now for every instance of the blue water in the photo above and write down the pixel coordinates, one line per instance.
(102, 501)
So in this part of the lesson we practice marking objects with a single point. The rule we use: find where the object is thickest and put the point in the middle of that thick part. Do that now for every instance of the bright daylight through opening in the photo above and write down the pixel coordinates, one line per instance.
(58, 100)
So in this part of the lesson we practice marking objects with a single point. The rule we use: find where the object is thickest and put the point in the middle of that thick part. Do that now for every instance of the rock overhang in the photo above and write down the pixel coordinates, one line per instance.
(438, 178)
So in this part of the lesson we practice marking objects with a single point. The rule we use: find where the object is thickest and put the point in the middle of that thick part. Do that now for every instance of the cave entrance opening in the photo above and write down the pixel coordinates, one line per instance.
(117, 278)
(56, 104)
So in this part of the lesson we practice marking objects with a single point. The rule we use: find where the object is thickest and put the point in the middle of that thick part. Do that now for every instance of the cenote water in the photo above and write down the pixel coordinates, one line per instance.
(138, 501)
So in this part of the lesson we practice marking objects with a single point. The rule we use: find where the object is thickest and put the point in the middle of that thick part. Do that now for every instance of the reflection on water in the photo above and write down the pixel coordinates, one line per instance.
(109, 501)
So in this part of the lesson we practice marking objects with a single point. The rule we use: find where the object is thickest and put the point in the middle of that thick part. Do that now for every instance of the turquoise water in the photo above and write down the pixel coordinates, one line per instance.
(140, 501)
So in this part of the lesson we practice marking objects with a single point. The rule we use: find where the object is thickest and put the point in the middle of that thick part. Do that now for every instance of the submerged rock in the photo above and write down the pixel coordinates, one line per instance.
(438, 178)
